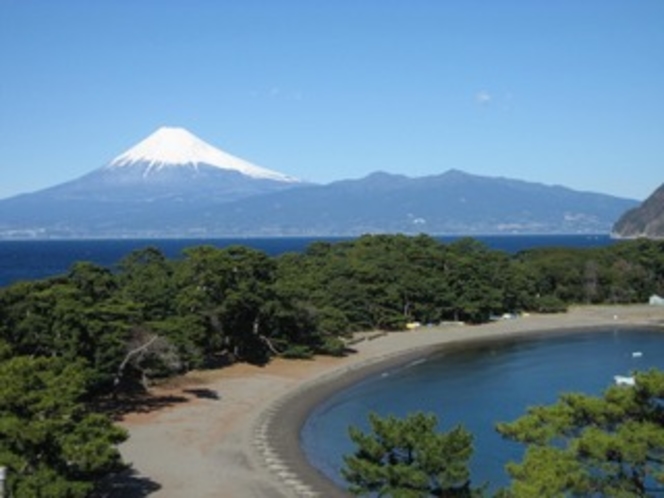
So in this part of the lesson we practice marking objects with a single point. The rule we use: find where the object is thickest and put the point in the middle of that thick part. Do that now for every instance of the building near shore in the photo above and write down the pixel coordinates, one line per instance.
(656, 300)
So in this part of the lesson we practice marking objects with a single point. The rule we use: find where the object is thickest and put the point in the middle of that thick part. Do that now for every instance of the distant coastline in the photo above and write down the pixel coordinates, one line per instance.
(618, 237)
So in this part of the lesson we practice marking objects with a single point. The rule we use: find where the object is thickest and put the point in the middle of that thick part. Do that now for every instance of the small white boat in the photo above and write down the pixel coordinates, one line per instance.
(623, 380)
(637, 354)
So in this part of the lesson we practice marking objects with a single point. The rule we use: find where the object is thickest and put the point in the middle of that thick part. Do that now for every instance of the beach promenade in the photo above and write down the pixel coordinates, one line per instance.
(233, 432)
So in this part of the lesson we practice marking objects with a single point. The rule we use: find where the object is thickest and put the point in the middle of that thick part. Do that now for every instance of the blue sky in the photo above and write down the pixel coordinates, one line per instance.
(567, 92)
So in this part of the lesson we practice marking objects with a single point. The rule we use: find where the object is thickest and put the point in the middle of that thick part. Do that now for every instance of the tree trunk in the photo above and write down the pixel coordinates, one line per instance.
(129, 356)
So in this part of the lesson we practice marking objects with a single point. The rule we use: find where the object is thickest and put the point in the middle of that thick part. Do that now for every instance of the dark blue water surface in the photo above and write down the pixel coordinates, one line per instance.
(478, 386)
(34, 259)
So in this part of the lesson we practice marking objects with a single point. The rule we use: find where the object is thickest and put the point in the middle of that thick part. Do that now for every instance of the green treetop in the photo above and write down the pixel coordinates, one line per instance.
(407, 458)
(612, 445)
(50, 443)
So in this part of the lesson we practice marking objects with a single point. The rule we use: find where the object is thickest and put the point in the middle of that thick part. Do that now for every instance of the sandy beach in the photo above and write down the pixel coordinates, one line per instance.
(234, 432)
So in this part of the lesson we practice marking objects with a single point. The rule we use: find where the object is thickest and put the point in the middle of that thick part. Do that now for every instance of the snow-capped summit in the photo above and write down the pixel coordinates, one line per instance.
(175, 147)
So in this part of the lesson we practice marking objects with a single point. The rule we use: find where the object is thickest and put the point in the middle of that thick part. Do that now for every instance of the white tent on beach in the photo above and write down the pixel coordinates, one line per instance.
(656, 300)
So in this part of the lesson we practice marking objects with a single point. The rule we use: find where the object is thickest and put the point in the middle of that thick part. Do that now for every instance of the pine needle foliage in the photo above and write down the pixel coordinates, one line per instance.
(408, 458)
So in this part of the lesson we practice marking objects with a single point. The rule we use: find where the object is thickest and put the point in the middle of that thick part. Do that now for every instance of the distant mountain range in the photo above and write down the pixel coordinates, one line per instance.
(172, 184)
(646, 220)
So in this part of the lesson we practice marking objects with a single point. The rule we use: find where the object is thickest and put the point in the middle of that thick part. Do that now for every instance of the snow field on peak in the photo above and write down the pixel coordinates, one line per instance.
(171, 147)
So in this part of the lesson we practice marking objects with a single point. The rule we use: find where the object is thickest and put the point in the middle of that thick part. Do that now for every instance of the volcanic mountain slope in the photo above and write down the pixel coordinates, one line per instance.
(172, 164)
(169, 171)
(173, 184)
(646, 220)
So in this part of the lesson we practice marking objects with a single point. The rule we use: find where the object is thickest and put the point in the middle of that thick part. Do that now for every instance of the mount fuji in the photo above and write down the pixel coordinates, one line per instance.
(178, 149)
(167, 174)
(172, 164)
(173, 184)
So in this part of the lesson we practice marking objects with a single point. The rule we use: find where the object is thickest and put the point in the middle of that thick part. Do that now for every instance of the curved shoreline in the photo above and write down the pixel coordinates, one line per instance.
(295, 409)
(247, 442)
(287, 417)
(284, 420)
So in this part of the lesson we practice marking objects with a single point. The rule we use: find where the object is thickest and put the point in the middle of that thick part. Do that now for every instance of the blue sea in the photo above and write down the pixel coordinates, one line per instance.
(35, 259)
(478, 386)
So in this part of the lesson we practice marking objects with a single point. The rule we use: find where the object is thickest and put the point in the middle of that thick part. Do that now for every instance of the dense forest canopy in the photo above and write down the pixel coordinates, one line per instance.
(151, 316)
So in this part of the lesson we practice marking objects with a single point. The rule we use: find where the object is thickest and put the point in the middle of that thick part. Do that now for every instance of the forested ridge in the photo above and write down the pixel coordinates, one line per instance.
(150, 316)
(113, 330)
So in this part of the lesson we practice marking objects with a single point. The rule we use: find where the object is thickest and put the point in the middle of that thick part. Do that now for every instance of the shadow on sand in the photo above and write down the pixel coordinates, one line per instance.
(127, 484)
(137, 403)
(202, 393)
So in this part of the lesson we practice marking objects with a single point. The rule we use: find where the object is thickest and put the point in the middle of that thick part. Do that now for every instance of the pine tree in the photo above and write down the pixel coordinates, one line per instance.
(50, 443)
(609, 445)
(409, 459)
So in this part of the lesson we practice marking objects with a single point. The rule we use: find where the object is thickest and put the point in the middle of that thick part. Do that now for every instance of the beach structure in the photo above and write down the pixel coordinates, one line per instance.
(623, 380)
(656, 300)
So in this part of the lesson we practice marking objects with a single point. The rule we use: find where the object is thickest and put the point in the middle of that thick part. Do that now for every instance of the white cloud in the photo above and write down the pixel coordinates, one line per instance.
(281, 94)
(483, 97)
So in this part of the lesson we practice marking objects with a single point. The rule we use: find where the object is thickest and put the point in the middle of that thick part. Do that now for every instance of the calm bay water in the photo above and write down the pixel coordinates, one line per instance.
(34, 259)
(478, 386)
